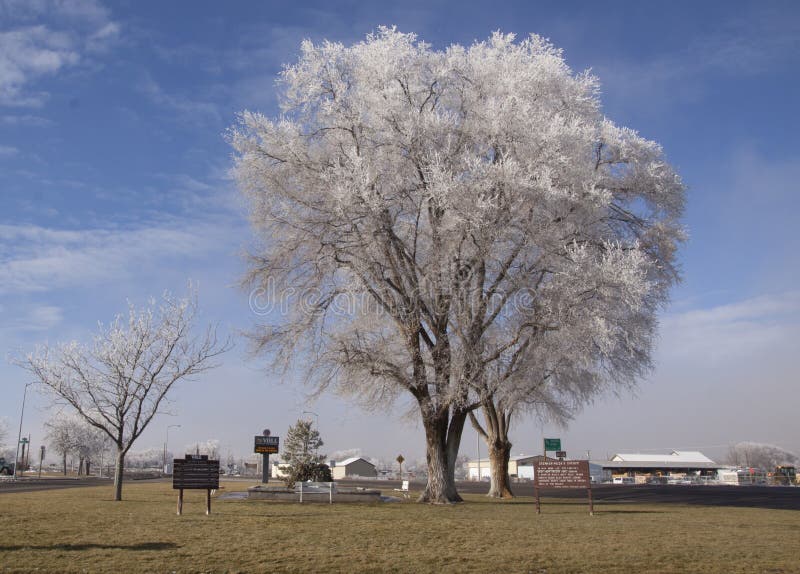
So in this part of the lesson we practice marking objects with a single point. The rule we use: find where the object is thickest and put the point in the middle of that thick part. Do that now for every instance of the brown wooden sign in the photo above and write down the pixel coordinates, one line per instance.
(560, 474)
(195, 472)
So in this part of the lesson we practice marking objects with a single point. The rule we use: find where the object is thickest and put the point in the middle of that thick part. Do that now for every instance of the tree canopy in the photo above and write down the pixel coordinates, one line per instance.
(455, 226)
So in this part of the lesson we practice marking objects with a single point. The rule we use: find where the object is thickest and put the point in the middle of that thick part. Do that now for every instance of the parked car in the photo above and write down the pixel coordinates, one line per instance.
(624, 480)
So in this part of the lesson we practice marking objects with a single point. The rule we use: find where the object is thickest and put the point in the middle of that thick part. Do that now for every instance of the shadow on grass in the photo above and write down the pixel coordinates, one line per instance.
(603, 511)
(91, 546)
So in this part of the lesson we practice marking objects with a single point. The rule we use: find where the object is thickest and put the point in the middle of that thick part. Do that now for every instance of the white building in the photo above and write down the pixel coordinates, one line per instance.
(353, 467)
(520, 466)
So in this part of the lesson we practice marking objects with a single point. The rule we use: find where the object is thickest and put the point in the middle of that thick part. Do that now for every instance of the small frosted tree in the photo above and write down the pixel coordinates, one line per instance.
(70, 434)
(119, 382)
(301, 453)
(448, 220)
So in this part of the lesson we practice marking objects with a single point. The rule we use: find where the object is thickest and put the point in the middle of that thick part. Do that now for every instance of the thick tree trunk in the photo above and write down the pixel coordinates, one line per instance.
(499, 453)
(456, 429)
(87, 465)
(441, 487)
(64, 460)
(118, 470)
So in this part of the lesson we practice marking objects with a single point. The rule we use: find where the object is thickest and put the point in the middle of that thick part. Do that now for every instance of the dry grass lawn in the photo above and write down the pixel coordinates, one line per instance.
(83, 530)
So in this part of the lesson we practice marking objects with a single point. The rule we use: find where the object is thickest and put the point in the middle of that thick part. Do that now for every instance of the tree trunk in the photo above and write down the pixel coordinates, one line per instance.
(87, 466)
(64, 460)
(118, 470)
(441, 487)
(80, 465)
(499, 453)
(454, 433)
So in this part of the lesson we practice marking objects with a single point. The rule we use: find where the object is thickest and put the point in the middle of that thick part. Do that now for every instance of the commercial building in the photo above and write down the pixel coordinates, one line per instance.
(675, 464)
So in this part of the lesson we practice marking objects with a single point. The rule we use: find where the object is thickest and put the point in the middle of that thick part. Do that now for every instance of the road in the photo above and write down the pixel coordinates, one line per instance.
(25, 484)
(774, 497)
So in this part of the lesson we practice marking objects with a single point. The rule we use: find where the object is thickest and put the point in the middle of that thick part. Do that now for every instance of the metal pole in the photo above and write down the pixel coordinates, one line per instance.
(166, 443)
(478, 450)
(316, 448)
(19, 435)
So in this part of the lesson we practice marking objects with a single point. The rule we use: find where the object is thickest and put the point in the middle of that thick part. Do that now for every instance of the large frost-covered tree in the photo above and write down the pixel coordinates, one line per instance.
(456, 227)
(120, 382)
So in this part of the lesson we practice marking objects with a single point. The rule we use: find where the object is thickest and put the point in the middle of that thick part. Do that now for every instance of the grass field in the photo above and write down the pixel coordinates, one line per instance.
(83, 530)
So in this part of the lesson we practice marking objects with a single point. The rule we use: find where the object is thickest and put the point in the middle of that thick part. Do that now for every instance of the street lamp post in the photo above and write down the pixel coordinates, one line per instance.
(19, 435)
(166, 442)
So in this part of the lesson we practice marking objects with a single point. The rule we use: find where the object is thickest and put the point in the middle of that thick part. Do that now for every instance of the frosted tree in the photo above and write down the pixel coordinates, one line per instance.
(760, 455)
(301, 452)
(68, 433)
(119, 382)
(438, 223)
(210, 448)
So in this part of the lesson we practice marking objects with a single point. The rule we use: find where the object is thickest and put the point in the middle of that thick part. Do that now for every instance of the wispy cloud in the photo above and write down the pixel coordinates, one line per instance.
(38, 259)
(755, 43)
(733, 331)
(31, 51)
(189, 109)
(6, 150)
(30, 318)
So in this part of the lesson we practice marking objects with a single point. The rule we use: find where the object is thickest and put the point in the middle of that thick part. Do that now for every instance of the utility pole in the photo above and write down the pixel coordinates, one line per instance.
(19, 435)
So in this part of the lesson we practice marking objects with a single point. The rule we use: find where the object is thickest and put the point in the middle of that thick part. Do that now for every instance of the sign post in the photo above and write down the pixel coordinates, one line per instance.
(561, 474)
(41, 458)
(195, 472)
(266, 445)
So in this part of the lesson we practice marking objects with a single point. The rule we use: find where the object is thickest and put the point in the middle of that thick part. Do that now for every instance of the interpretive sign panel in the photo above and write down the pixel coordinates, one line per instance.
(266, 444)
(195, 472)
(561, 474)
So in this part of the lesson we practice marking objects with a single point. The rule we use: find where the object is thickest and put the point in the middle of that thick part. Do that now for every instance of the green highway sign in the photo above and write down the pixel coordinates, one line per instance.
(552, 444)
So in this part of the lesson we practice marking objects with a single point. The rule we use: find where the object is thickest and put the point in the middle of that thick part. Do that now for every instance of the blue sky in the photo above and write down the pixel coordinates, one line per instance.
(114, 186)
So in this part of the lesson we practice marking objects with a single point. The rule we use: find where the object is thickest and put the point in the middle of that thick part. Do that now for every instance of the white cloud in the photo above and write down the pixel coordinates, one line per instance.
(732, 332)
(31, 318)
(30, 52)
(37, 259)
(6, 150)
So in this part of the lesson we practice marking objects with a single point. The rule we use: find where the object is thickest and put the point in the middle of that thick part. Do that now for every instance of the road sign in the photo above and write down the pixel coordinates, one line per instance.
(552, 444)
(561, 454)
(266, 444)
(561, 474)
(23, 440)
